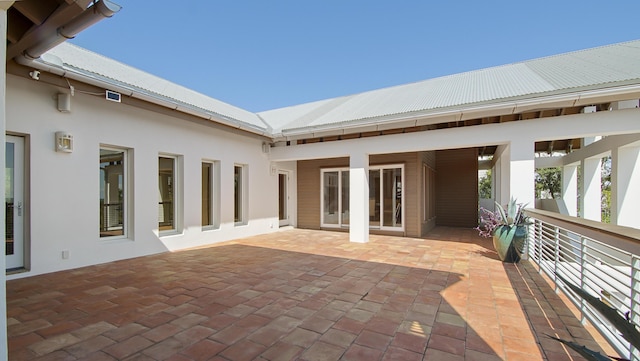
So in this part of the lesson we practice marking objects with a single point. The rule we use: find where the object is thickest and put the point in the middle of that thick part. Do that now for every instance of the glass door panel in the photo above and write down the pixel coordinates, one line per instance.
(14, 202)
(374, 198)
(392, 196)
(330, 213)
(345, 198)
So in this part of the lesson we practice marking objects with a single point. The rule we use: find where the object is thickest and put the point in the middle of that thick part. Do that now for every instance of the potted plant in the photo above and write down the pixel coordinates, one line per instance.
(508, 229)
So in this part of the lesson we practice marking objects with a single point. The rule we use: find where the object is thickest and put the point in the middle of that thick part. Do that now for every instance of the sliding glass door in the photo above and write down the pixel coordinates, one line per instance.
(385, 197)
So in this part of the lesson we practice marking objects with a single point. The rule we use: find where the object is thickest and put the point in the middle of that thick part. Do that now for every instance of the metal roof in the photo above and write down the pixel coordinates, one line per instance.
(78, 59)
(591, 69)
(560, 74)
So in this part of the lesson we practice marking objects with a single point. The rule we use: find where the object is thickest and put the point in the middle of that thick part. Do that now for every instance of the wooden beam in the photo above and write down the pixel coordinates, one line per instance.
(62, 15)
(36, 10)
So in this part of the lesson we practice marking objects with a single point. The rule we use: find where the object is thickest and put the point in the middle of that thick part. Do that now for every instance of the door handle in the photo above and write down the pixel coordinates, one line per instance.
(20, 209)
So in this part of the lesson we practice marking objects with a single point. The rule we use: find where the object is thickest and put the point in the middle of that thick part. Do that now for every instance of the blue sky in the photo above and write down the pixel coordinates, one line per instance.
(261, 55)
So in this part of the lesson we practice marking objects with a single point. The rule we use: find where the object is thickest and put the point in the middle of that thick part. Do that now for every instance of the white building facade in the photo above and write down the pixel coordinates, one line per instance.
(104, 162)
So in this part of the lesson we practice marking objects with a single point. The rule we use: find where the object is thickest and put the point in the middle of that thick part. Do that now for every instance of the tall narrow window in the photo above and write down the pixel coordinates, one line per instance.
(239, 180)
(207, 196)
(166, 193)
(113, 208)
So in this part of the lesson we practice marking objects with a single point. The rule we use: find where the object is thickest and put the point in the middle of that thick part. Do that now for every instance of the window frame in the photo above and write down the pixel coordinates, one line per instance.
(214, 194)
(177, 194)
(243, 195)
(127, 185)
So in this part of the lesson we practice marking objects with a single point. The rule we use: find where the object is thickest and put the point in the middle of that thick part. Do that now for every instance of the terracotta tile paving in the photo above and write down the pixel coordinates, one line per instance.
(298, 295)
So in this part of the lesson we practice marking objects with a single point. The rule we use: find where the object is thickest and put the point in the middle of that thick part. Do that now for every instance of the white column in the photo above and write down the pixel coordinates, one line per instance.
(522, 172)
(591, 192)
(625, 186)
(359, 198)
(570, 188)
(3, 127)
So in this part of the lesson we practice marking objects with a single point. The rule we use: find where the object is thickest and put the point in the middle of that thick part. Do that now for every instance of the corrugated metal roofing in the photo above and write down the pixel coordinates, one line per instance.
(551, 75)
(565, 73)
(79, 58)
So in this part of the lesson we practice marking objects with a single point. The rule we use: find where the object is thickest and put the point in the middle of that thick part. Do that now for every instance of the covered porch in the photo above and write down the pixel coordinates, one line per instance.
(300, 294)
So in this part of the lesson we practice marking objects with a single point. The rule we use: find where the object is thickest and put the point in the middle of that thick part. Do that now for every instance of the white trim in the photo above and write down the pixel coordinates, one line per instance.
(287, 190)
(127, 198)
(244, 194)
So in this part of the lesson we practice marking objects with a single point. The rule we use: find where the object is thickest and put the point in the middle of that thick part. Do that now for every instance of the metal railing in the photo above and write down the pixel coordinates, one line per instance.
(600, 261)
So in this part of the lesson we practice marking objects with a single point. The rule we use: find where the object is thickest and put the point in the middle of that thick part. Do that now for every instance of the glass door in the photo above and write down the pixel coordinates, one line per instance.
(14, 202)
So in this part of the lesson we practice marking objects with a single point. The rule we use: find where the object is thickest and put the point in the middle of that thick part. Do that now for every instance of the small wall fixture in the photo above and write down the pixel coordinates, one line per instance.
(266, 148)
(64, 102)
(64, 142)
(113, 96)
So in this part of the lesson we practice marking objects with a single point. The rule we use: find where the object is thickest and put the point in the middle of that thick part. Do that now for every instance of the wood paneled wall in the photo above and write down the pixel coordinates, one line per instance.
(457, 187)
(309, 188)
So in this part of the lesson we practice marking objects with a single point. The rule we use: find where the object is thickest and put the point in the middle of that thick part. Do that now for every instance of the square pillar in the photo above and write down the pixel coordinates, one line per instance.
(570, 188)
(522, 172)
(625, 186)
(3, 125)
(359, 198)
(591, 192)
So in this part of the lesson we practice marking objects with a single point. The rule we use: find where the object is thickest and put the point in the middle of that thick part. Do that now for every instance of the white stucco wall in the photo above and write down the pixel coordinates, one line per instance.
(64, 188)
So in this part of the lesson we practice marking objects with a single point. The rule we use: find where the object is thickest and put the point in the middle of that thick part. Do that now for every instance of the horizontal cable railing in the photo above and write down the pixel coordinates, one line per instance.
(602, 260)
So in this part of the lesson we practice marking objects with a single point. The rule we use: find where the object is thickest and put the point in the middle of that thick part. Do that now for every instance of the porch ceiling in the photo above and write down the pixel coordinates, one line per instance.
(546, 146)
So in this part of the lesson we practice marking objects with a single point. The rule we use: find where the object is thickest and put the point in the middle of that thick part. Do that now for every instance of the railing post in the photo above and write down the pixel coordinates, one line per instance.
(635, 295)
(583, 264)
(540, 244)
(556, 256)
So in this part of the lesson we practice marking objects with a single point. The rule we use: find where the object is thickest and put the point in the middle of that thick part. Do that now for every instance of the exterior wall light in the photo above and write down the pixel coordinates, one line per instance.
(64, 142)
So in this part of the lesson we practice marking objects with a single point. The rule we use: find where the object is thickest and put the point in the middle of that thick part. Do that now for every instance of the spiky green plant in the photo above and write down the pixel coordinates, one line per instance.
(628, 329)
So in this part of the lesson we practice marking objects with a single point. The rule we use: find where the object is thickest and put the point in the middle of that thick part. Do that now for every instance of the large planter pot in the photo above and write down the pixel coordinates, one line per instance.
(509, 242)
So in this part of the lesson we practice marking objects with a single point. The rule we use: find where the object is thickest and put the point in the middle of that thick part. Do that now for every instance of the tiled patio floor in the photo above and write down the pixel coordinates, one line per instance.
(298, 294)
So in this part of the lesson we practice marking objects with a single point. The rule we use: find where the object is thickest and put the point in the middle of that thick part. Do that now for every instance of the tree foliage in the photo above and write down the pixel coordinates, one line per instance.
(548, 182)
(484, 186)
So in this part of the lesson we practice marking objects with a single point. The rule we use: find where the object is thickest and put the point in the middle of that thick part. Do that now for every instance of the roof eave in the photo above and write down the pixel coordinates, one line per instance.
(558, 99)
(138, 93)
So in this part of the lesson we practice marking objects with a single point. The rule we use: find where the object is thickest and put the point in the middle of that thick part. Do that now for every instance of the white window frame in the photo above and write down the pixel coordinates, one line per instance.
(214, 194)
(244, 194)
(379, 168)
(127, 198)
(177, 194)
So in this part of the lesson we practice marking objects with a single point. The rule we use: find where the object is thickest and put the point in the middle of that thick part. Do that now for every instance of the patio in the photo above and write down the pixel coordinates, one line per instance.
(299, 294)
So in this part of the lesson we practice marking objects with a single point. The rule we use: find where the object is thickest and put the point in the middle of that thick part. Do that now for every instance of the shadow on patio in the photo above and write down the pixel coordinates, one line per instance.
(296, 294)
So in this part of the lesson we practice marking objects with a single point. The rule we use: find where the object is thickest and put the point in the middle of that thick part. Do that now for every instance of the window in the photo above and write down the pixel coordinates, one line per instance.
(385, 197)
(239, 194)
(210, 195)
(113, 181)
(429, 193)
(167, 193)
